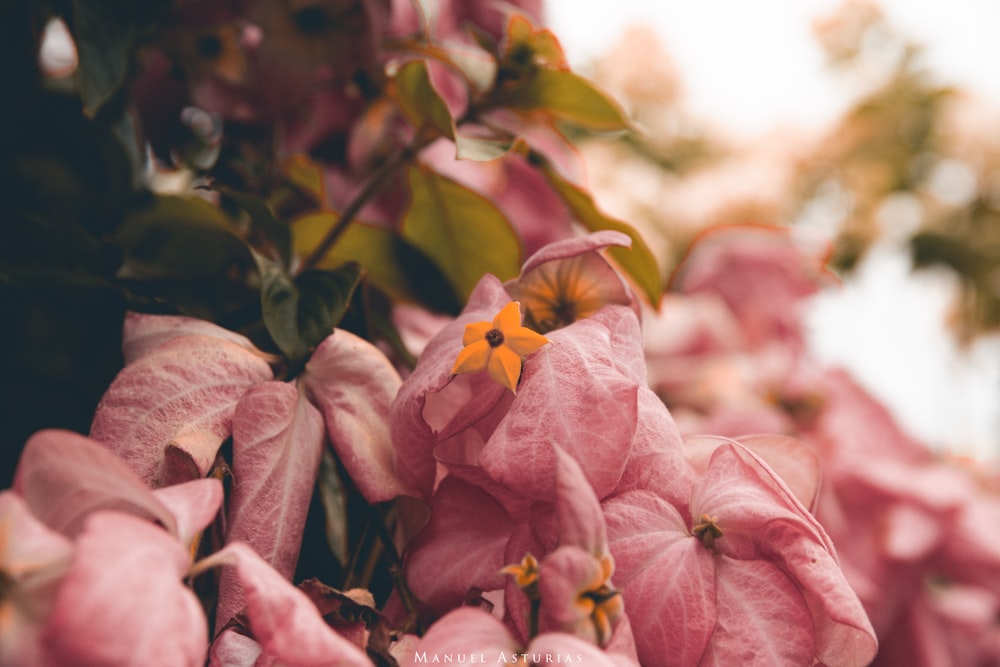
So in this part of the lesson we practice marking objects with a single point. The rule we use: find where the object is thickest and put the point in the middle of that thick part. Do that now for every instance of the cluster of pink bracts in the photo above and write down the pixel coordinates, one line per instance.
(581, 523)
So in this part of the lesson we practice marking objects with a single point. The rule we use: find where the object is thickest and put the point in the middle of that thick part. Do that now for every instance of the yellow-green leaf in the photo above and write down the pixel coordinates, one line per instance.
(461, 231)
(371, 246)
(306, 175)
(638, 261)
(566, 96)
(419, 100)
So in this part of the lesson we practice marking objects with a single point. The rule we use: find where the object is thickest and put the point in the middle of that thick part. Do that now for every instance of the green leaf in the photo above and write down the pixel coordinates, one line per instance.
(566, 96)
(334, 500)
(390, 264)
(178, 237)
(106, 32)
(371, 246)
(638, 261)
(419, 101)
(183, 251)
(461, 231)
(299, 313)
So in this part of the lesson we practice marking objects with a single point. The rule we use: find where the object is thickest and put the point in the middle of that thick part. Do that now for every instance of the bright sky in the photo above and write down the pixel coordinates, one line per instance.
(754, 65)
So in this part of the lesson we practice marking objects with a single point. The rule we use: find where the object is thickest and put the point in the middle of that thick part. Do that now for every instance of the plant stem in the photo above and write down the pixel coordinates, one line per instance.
(377, 180)
(395, 562)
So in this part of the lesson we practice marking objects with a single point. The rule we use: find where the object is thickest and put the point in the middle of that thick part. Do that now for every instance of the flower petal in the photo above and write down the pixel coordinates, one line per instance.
(505, 367)
(524, 341)
(475, 331)
(473, 358)
(508, 318)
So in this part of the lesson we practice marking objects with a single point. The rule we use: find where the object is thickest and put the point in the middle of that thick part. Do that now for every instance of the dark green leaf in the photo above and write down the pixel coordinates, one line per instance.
(183, 251)
(299, 313)
(178, 237)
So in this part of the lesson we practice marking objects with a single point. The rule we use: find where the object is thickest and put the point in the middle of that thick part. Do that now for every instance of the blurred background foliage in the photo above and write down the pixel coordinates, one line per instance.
(911, 161)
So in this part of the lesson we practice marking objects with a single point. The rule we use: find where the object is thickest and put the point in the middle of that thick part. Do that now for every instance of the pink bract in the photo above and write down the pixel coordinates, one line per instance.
(277, 444)
(354, 384)
(767, 559)
(167, 413)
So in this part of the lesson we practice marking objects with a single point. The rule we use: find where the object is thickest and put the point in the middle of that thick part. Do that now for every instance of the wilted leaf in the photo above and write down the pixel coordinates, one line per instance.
(300, 312)
(638, 261)
(461, 231)
(566, 96)
(419, 101)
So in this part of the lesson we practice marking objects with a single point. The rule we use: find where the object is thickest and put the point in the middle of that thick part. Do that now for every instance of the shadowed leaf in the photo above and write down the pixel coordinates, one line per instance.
(300, 312)
(263, 218)
(334, 500)
(461, 231)
(106, 32)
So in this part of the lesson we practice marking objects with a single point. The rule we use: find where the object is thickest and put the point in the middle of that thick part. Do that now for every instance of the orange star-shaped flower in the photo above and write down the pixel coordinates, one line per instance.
(525, 573)
(498, 346)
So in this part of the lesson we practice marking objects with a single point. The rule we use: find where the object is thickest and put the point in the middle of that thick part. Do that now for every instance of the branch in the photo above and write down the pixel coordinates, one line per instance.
(370, 188)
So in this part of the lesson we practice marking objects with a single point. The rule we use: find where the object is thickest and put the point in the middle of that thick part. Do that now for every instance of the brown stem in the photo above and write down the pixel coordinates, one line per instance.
(370, 188)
